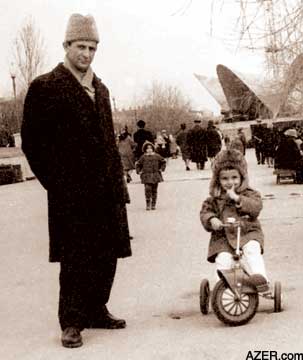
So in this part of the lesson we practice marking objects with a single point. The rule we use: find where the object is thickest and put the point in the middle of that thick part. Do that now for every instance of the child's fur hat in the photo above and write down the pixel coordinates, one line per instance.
(228, 159)
(144, 146)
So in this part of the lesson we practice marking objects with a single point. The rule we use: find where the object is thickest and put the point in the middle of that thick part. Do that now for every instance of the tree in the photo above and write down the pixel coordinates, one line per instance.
(271, 26)
(28, 53)
(28, 56)
(274, 28)
(164, 107)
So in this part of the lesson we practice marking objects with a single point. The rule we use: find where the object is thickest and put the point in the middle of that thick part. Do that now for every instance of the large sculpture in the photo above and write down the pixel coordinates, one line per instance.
(240, 98)
(250, 97)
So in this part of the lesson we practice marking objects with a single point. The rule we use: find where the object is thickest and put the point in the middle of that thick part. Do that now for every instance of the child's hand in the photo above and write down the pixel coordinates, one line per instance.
(232, 194)
(216, 223)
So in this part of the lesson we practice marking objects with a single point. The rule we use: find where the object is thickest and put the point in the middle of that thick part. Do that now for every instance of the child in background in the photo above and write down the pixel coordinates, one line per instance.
(231, 196)
(150, 167)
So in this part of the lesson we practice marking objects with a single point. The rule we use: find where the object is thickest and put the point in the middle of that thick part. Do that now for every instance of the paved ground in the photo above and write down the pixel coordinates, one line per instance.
(157, 289)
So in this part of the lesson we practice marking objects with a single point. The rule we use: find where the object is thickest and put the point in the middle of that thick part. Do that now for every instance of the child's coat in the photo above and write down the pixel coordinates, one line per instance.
(150, 167)
(220, 206)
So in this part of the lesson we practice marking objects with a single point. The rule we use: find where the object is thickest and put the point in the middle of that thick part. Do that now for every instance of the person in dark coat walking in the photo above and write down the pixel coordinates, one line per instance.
(140, 136)
(150, 167)
(181, 140)
(68, 139)
(270, 143)
(242, 138)
(126, 147)
(258, 138)
(196, 140)
(213, 140)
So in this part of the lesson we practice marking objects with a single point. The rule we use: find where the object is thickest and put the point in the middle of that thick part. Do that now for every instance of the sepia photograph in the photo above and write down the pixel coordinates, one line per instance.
(151, 179)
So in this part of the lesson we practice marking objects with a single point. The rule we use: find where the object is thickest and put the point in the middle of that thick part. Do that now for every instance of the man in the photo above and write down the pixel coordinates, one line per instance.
(239, 142)
(213, 140)
(242, 138)
(196, 140)
(258, 137)
(163, 144)
(140, 136)
(68, 139)
(181, 140)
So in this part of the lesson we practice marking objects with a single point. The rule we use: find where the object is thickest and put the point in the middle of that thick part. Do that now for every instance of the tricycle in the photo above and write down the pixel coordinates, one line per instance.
(235, 299)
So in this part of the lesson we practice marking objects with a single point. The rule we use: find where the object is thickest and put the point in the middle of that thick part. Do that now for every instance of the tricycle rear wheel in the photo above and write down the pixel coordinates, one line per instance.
(204, 296)
(230, 310)
(278, 296)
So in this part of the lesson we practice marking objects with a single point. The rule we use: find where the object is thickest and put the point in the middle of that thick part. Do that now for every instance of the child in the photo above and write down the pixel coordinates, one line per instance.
(149, 166)
(231, 196)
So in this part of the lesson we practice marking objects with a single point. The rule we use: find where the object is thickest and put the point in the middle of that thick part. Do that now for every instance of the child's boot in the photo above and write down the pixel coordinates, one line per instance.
(153, 204)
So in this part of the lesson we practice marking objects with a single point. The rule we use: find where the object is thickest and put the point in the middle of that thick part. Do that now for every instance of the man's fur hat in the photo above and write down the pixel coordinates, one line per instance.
(228, 159)
(81, 27)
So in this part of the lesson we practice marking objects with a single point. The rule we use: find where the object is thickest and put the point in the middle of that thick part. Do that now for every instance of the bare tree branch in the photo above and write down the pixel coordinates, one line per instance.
(28, 52)
(164, 107)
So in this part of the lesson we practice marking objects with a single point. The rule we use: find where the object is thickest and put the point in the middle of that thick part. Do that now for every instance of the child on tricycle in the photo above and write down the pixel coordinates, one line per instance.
(230, 214)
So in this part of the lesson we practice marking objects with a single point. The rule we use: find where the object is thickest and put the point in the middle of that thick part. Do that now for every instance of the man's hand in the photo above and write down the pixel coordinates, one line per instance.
(216, 223)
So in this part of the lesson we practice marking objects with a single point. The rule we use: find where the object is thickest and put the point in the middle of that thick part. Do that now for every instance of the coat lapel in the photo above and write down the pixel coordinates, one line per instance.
(72, 90)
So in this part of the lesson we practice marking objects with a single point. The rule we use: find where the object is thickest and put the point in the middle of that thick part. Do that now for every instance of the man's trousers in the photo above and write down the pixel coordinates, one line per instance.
(83, 291)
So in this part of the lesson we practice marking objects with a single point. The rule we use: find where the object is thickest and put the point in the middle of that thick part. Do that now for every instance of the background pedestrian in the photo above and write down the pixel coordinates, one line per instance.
(150, 167)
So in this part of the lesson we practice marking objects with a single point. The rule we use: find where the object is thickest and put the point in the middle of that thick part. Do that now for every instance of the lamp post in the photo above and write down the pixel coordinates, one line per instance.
(114, 103)
(13, 77)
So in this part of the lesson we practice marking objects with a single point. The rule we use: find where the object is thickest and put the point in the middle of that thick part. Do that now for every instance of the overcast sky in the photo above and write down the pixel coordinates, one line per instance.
(141, 41)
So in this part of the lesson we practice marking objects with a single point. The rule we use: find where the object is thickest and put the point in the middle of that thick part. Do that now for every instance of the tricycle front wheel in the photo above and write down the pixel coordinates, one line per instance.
(231, 310)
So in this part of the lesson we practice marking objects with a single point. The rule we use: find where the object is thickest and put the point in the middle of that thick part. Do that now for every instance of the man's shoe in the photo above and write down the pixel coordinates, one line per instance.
(71, 337)
(108, 321)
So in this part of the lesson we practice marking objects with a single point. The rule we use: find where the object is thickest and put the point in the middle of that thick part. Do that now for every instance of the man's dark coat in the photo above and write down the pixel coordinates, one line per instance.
(288, 155)
(213, 140)
(70, 145)
(140, 136)
(197, 142)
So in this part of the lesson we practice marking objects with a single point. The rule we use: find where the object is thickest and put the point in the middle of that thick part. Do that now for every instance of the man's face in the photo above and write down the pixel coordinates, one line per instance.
(81, 53)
